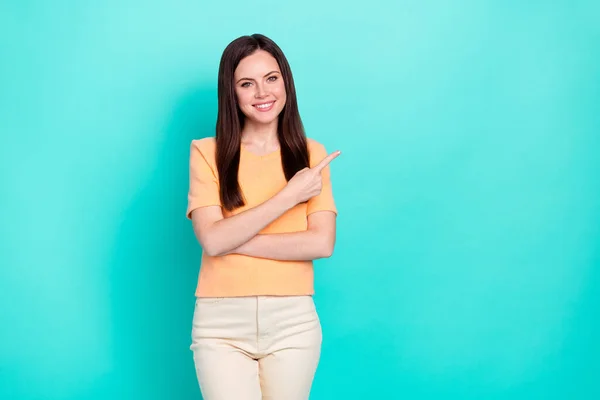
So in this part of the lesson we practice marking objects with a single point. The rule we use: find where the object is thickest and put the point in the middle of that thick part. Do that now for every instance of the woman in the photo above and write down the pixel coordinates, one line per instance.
(262, 208)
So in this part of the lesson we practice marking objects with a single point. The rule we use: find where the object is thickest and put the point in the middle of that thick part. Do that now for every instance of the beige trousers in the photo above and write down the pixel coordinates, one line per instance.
(256, 348)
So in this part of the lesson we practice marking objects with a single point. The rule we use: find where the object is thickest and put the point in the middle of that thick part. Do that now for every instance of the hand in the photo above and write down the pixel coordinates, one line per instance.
(307, 182)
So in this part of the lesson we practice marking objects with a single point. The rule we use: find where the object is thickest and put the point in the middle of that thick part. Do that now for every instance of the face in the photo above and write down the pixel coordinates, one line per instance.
(259, 87)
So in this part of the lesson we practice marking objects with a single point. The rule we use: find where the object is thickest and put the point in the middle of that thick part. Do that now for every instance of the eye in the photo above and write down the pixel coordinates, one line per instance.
(272, 78)
(245, 84)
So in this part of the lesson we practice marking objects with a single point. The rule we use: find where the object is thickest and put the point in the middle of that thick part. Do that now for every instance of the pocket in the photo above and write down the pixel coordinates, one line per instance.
(205, 309)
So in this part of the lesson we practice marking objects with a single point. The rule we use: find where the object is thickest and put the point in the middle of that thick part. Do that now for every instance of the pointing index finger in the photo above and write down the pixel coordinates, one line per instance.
(325, 162)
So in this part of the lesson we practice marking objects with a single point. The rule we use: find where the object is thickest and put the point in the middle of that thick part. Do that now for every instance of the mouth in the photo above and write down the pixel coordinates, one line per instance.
(264, 107)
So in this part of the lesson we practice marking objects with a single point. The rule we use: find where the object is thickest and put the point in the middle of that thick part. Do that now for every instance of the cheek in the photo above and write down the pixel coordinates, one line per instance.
(279, 92)
(244, 98)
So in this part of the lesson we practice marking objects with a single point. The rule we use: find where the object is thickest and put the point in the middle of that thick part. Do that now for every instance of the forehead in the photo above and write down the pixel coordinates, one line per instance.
(256, 65)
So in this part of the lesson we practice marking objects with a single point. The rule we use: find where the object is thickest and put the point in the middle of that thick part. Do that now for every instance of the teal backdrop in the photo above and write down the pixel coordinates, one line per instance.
(468, 251)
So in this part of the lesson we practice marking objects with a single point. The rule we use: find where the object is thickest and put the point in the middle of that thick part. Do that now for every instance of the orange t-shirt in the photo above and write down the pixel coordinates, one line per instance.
(260, 178)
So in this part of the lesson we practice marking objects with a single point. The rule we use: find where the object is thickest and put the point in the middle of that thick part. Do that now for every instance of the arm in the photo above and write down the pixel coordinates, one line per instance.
(218, 235)
(316, 242)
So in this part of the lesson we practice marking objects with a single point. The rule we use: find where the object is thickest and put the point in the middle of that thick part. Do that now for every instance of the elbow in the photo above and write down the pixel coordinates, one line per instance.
(328, 253)
(213, 251)
(209, 243)
(209, 251)
(326, 250)
(209, 248)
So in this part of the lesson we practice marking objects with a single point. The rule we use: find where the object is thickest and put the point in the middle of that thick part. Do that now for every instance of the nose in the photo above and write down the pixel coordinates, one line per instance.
(260, 91)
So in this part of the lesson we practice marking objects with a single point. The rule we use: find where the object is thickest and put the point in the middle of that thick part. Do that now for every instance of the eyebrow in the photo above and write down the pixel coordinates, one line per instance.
(250, 79)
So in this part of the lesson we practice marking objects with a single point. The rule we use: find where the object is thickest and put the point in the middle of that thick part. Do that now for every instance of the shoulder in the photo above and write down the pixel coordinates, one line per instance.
(316, 151)
(206, 145)
(204, 148)
(314, 146)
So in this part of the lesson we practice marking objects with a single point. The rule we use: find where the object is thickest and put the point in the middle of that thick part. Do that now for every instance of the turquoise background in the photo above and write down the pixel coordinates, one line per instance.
(468, 252)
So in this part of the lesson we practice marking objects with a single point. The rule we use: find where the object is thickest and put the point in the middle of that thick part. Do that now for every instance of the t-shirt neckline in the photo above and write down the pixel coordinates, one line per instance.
(267, 155)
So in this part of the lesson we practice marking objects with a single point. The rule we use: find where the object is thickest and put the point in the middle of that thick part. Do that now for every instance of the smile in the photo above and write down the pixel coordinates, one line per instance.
(264, 107)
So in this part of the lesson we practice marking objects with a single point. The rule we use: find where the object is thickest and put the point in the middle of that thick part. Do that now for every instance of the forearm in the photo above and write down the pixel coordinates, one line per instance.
(229, 233)
(293, 246)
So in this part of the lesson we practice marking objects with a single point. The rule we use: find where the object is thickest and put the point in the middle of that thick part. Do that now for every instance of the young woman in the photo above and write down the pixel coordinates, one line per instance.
(262, 208)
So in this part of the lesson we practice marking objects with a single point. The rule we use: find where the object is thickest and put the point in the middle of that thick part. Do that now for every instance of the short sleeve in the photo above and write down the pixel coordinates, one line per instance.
(204, 185)
(324, 200)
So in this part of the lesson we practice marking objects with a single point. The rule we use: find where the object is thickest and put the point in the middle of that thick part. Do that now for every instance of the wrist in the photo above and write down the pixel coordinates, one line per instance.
(286, 199)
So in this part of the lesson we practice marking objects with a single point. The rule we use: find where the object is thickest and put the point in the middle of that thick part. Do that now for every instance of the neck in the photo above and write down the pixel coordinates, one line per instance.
(260, 134)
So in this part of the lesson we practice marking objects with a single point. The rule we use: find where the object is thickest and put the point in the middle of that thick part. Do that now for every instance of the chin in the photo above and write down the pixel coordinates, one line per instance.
(265, 121)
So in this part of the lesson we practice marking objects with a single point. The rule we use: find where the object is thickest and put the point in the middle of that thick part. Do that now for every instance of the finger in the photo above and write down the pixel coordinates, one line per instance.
(325, 162)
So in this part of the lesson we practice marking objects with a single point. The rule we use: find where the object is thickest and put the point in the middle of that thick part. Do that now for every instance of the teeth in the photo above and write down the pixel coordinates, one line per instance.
(264, 105)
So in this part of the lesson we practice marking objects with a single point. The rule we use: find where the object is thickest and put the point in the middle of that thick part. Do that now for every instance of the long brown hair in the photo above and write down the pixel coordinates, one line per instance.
(230, 119)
